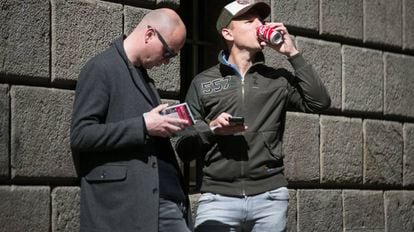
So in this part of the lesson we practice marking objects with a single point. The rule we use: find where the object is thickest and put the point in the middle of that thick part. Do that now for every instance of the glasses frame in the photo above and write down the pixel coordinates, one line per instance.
(169, 52)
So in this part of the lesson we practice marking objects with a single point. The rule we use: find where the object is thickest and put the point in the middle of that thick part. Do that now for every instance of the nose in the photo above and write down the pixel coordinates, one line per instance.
(259, 22)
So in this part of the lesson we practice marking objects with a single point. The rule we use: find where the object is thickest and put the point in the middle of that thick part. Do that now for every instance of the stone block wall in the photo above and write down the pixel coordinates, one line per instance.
(350, 168)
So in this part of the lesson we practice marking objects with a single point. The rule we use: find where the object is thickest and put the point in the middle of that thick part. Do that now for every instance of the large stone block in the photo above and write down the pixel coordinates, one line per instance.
(80, 30)
(320, 210)
(341, 150)
(383, 22)
(326, 59)
(343, 18)
(24, 208)
(301, 147)
(292, 212)
(399, 211)
(408, 23)
(363, 80)
(167, 77)
(4, 131)
(24, 40)
(383, 152)
(40, 143)
(363, 210)
(297, 13)
(65, 209)
(399, 85)
(408, 179)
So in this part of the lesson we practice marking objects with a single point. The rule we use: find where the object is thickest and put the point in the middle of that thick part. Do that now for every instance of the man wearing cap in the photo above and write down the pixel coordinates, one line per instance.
(244, 188)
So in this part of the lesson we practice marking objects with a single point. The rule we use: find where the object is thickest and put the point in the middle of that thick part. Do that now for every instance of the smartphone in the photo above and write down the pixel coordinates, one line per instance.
(236, 120)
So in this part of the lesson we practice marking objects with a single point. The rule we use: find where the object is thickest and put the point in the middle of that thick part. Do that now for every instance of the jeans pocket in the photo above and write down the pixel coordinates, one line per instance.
(206, 197)
(279, 194)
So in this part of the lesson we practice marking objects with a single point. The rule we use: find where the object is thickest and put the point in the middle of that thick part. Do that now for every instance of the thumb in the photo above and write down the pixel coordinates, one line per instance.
(159, 108)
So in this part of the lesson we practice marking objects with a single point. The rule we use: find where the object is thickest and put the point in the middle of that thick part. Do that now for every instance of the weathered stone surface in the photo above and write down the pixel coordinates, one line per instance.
(154, 3)
(320, 210)
(40, 145)
(342, 18)
(4, 130)
(194, 204)
(408, 23)
(363, 80)
(341, 150)
(297, 13)
(363, 210)
(80, 30)
(326, 59)
(24, 39)
(167, 77)
(302, 131)
(65, 209)
(292, 212)
(408, 154)
(399, 211)
(276, 60)
(24, 208)
(383, 152)
(383, 22)
(133, 15)
(399, 85)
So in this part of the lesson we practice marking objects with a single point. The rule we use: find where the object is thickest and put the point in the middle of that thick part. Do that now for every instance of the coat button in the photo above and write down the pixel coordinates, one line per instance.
(103, 175)
(154, 190)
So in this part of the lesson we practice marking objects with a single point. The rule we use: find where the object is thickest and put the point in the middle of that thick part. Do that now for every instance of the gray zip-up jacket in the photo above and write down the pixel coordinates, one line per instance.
(251, 162)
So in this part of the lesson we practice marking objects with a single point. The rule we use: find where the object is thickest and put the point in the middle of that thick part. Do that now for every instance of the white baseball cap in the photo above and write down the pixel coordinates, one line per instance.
(239, 7)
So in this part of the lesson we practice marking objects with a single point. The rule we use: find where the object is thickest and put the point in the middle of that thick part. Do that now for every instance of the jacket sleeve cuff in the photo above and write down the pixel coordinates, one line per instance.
(204, 132)
(297, 61)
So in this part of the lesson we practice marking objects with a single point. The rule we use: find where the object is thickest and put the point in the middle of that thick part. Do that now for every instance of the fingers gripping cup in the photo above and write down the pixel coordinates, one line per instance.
(269, 35)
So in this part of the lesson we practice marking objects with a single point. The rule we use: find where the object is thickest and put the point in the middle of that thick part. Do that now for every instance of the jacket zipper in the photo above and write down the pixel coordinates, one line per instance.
(242, 162)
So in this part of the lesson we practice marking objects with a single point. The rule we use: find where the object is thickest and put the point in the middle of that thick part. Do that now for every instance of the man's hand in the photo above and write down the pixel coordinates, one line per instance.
(286, 47)
(161, 125)
(222, 126)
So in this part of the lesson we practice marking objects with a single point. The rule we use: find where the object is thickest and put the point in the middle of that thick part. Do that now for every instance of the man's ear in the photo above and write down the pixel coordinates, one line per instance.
(149, 34)
(227, 34)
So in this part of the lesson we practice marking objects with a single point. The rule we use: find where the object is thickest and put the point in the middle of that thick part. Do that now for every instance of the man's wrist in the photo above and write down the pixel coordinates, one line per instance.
(292, 53)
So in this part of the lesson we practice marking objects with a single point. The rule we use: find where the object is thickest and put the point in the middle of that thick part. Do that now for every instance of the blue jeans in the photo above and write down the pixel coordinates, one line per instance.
(171, 217)
(262, 213)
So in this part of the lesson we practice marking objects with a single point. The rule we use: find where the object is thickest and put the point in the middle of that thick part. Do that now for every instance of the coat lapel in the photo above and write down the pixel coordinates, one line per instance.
(137, 79)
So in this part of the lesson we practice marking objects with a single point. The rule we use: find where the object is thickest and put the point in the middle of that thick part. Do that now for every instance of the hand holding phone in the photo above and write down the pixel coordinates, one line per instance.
(236, 120)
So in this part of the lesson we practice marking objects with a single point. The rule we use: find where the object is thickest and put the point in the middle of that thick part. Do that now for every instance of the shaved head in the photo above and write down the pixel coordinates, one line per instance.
(164, 20)
(160, 31)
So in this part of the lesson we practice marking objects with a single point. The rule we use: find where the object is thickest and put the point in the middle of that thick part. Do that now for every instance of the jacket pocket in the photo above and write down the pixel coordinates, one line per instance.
(273, 144)
(107, 173)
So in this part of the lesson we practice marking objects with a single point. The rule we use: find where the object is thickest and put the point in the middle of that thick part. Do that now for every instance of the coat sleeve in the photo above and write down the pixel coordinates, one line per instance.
(307, 93)
(89, 130)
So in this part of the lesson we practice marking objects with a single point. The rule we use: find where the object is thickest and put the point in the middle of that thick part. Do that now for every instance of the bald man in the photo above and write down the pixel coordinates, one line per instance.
(130, 179)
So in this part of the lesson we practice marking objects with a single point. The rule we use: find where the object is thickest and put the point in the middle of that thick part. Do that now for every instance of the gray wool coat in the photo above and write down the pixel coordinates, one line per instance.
(117, 161)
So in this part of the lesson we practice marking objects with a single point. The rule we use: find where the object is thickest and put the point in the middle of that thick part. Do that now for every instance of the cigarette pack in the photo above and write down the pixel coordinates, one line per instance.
(181, 111)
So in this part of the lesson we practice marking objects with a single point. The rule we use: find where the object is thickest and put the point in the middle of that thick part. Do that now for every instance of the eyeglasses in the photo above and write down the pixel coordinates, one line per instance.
(169, 53)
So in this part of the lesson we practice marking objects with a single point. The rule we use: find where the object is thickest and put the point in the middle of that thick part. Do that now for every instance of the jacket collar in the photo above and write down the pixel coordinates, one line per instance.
(228, 69)
(138, 79)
